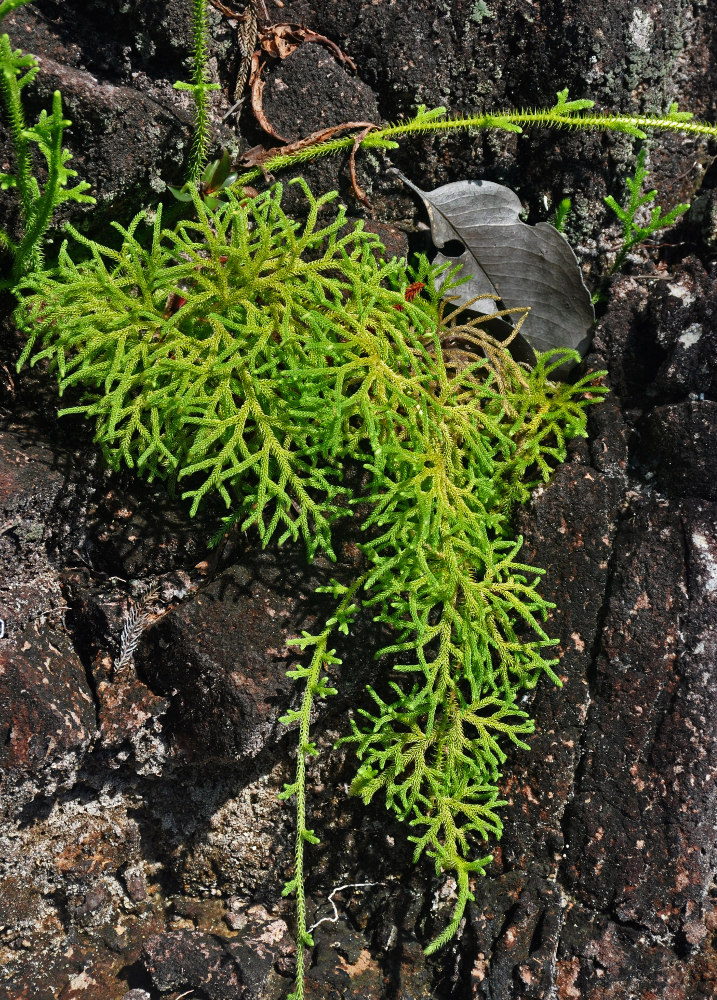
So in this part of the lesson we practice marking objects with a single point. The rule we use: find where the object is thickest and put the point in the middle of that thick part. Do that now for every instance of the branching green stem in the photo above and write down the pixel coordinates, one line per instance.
(565, 115)
(12, 82)
(633, 231)
(37, 203)
(199, 89)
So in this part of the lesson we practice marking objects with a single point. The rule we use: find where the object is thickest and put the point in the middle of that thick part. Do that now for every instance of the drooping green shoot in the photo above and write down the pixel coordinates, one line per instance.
(199, 88)
(635, 232)
(315, 687)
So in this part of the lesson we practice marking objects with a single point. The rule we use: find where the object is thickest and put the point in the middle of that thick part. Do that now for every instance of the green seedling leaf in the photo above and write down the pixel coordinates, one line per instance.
(564, 106)
(181, 194)
(217, 172)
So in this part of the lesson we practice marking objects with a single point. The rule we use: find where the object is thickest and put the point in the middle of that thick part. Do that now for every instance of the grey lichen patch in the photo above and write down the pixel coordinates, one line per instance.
(641, 29)
(72, 855)
(156, 183)
(238, 853)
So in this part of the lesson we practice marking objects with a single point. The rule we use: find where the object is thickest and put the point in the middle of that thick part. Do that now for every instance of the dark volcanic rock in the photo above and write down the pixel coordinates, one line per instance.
(311, 90)
(43, 740)
(661, 333)
(181, 959)
(680, 445)
(602, 958)
(685, 313)
(646, 694)
(217, 968)
(224, 657)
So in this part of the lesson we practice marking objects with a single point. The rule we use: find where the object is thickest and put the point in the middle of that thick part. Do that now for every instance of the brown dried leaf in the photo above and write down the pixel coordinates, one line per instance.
(357, 189)
(257, 105)
(277, 42)
(280, 40)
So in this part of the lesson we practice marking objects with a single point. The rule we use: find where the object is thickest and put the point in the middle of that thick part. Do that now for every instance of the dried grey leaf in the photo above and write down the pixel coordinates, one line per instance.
(525, 265)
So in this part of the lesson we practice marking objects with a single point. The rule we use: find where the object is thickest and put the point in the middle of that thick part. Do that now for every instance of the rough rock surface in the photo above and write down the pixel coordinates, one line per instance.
(143, 849)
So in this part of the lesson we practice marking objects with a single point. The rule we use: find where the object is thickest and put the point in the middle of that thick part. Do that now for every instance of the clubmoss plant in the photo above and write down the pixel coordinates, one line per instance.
(199, 88)
(634, 231)
(241, 354)
(295, 353)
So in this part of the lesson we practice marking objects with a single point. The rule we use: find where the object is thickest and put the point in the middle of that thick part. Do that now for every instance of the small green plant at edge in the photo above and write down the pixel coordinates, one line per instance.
(633, 233)
(243, 354)
(561, 214)
(37, 202)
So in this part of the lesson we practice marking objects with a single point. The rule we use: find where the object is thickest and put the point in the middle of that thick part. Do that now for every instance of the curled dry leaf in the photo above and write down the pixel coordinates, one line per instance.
(277, 42)
(523, 265)
(357, 189)
(256, 87)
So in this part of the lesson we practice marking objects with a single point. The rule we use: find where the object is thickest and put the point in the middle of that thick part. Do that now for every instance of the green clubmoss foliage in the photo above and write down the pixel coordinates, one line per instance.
(243, 354)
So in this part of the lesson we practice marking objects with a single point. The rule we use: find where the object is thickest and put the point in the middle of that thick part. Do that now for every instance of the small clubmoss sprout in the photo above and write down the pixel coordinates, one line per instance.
(635, 231)
(199, 88)
(37, 200)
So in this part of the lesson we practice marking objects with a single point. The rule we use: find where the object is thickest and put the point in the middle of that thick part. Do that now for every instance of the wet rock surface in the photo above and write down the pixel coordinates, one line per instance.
(143, 848)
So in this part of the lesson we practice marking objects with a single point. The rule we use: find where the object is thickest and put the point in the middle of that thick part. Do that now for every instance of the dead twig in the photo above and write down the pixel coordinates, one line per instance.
(257, 155)
(9, 379)
(357, 189)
